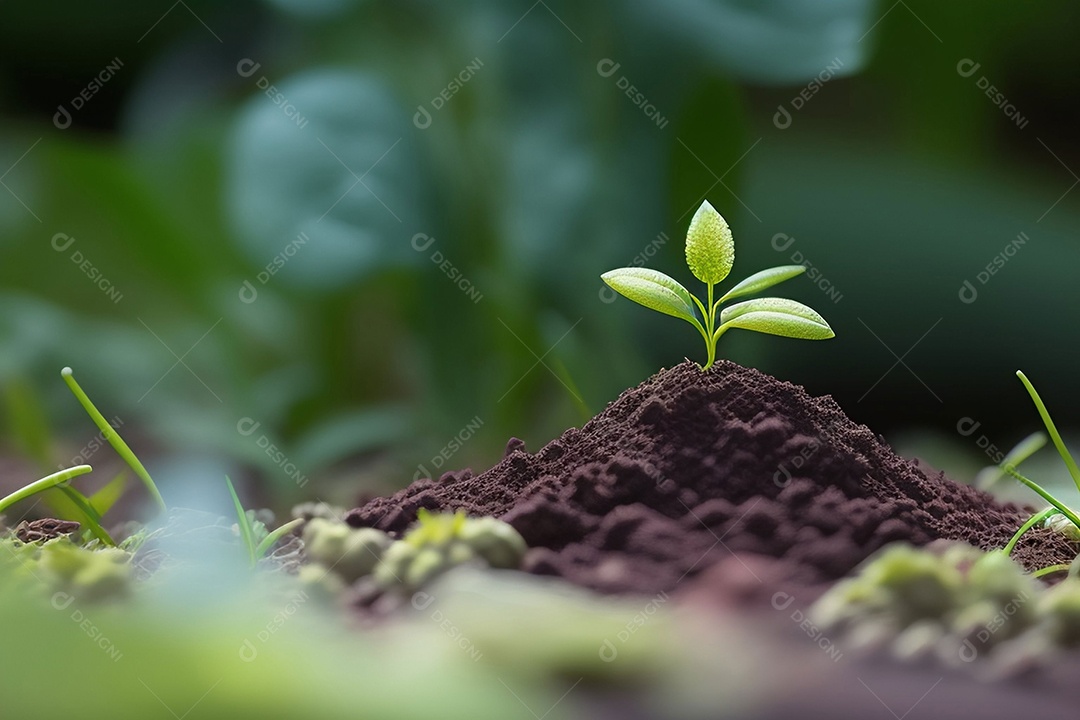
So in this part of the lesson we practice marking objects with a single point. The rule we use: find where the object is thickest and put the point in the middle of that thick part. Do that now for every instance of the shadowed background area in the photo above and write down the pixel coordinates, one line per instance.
(329, 247)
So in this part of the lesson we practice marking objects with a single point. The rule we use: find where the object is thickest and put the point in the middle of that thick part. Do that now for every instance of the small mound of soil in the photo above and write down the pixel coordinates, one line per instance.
(690, 467)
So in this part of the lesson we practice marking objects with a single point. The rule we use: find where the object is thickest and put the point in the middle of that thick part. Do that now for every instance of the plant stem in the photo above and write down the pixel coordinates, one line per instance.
(44, 483)
(1063, 509)
(110, 434)
(91, 518)
(1074, 471)
(710, 320)
(269, 540)
(243, 523)
(700, 329)
(1032, 522)
(1050, 570)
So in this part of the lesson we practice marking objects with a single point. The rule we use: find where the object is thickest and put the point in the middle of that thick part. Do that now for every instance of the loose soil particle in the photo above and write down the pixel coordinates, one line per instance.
(690, 467)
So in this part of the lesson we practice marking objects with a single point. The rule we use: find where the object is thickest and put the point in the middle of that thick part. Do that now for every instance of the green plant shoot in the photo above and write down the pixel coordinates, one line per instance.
(45, 483)
(257, 541)
(710, 254)
(1059, 516)
(82, 507)
(114, 439)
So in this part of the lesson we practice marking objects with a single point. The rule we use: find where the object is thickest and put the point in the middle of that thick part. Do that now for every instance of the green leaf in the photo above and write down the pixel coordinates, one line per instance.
(103, 500)
(710, 249)
(1074, 471)
(243, 522)
(654, 290)
(329, 183)
(113, 437)
(90, 517)
(49, 481)
(776, 316)
(989, 476)
(271, 538)
(764, 279)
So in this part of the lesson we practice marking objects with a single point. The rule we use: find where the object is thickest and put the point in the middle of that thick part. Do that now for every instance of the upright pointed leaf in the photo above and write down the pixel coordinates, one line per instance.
(989, 476)
(1066, 457)
(764, 279)
(243, 523)
(654, 290)
(89, 517)
(710, 249)
(103, 500)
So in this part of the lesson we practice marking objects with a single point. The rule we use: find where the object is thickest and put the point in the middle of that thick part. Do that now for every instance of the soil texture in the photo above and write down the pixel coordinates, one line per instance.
(691, 468)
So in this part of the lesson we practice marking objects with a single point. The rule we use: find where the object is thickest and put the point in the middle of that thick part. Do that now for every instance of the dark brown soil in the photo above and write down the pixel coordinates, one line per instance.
(689, 467)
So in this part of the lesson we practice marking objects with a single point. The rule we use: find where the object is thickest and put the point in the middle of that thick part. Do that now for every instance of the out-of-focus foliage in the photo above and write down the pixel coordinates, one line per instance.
(346, 244)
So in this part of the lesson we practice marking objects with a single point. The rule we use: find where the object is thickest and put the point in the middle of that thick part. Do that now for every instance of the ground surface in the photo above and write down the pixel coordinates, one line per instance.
(687, 468)
(731, 489)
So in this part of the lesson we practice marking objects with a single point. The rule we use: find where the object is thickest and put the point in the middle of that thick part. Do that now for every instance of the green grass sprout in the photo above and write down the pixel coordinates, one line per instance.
(250, 532)
(1031, 522)
(710, 254)
(1074, 471)
(1064, 567)
(89, 517)
(114, 439)
(272, 537)
(81, 506)
(45, 483)
(989, 476)
(1069, 524)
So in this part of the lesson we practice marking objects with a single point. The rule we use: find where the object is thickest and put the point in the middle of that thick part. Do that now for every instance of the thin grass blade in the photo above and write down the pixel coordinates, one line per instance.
(114, 439)
(1074, 471)
(243, 522)
(271, 538)
(49, 481)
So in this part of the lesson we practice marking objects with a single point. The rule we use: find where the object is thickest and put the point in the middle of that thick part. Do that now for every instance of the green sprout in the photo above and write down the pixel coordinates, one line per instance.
(88, 509)
(710, 254)
(257, 541)
(114, 439)
(1059, 516)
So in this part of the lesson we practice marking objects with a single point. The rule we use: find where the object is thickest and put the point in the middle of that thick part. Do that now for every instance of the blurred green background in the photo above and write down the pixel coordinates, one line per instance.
(333, 246)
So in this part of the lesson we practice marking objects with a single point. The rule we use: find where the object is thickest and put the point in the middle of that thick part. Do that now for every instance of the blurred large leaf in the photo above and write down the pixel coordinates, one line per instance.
(776, 41)
(332, 160)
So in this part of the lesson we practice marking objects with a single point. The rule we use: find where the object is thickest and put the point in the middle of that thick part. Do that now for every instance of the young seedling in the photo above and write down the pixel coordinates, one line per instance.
(45, 483)
(257, 541)
(88, 512)
(710, 254)
(114, 439)
(1069, 522)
